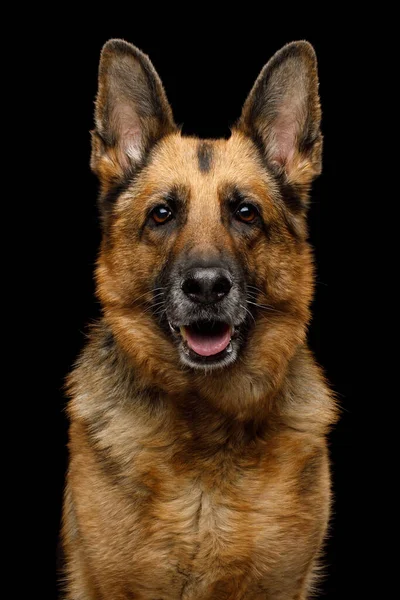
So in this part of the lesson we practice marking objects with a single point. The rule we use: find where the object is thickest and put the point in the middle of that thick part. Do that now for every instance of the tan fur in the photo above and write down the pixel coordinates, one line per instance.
(188, 484)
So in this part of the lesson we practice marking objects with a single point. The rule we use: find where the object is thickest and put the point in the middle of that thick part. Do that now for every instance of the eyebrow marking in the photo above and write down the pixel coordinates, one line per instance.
(205, 156)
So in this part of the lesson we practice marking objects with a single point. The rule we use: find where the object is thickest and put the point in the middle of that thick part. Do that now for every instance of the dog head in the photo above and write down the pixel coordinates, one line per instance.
(204, 264)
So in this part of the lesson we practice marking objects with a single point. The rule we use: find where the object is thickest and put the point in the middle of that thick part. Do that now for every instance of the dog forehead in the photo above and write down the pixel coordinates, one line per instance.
(201, 164)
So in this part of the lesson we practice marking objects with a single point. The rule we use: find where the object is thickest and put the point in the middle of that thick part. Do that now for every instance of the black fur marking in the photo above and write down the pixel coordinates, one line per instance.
(205, 156)
(234, 195)
(309, 475)
(135, 488)
(107, 201)
(258, 141)
(291, 196)
(108, 465)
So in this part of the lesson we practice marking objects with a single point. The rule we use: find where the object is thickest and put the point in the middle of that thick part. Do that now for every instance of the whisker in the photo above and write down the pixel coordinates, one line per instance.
(149, 292)
(160, 303)
(252, 296)
(265, 307)
(137, 304)
(247, 310)
(153, 306)
(160, 313)
(253, 287)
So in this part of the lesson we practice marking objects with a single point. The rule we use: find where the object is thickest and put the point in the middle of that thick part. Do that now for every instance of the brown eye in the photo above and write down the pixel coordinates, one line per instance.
(246, 213)
(161, 214)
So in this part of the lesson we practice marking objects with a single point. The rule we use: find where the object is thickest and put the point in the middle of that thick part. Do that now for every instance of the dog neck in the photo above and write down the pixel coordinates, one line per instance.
(110, 392)
(239, 392)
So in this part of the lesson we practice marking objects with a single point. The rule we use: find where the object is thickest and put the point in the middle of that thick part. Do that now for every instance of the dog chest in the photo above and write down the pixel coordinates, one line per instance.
(163, 530)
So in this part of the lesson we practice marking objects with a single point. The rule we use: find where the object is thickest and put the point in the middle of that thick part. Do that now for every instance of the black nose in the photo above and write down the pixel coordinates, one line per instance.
(207, 285)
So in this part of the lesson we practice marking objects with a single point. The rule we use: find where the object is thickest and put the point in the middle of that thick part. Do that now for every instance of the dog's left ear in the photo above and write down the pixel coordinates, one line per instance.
(282, 114)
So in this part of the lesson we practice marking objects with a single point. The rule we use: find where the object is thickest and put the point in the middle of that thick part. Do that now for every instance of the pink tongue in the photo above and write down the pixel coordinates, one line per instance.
(207, 345)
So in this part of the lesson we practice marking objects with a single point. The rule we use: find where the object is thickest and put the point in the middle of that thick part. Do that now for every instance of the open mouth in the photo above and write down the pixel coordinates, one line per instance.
(207, 339)
(205, 342)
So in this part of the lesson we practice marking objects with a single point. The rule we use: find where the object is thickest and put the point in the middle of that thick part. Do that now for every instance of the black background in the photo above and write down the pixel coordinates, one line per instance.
(207, 73)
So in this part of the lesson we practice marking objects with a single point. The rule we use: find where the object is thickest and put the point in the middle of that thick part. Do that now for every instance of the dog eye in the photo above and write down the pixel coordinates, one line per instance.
(161, 214)
(246, 213)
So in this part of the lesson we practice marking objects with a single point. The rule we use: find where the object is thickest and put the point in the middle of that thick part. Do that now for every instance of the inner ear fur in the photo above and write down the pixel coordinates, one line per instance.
(132, 112)
(282, 115)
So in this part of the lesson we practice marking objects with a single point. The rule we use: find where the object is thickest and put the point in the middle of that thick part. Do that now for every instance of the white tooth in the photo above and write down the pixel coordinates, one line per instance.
(182, 332)
(229, 348)
(173, 328)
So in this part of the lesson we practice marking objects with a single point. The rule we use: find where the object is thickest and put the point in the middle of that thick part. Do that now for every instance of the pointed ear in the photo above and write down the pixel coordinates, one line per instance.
(282, 114)
(132, 112)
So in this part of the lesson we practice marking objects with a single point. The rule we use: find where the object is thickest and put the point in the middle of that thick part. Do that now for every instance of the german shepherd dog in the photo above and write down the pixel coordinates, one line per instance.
(198, 417)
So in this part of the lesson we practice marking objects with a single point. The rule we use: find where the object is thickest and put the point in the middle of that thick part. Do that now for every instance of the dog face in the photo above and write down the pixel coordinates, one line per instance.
(204, 262)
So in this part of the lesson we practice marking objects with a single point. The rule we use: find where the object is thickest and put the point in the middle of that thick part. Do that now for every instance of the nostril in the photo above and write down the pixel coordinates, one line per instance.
(222, 286)
(192, 287)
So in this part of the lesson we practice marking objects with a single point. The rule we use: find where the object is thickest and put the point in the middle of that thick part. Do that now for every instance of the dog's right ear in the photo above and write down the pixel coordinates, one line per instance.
(132, 112)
